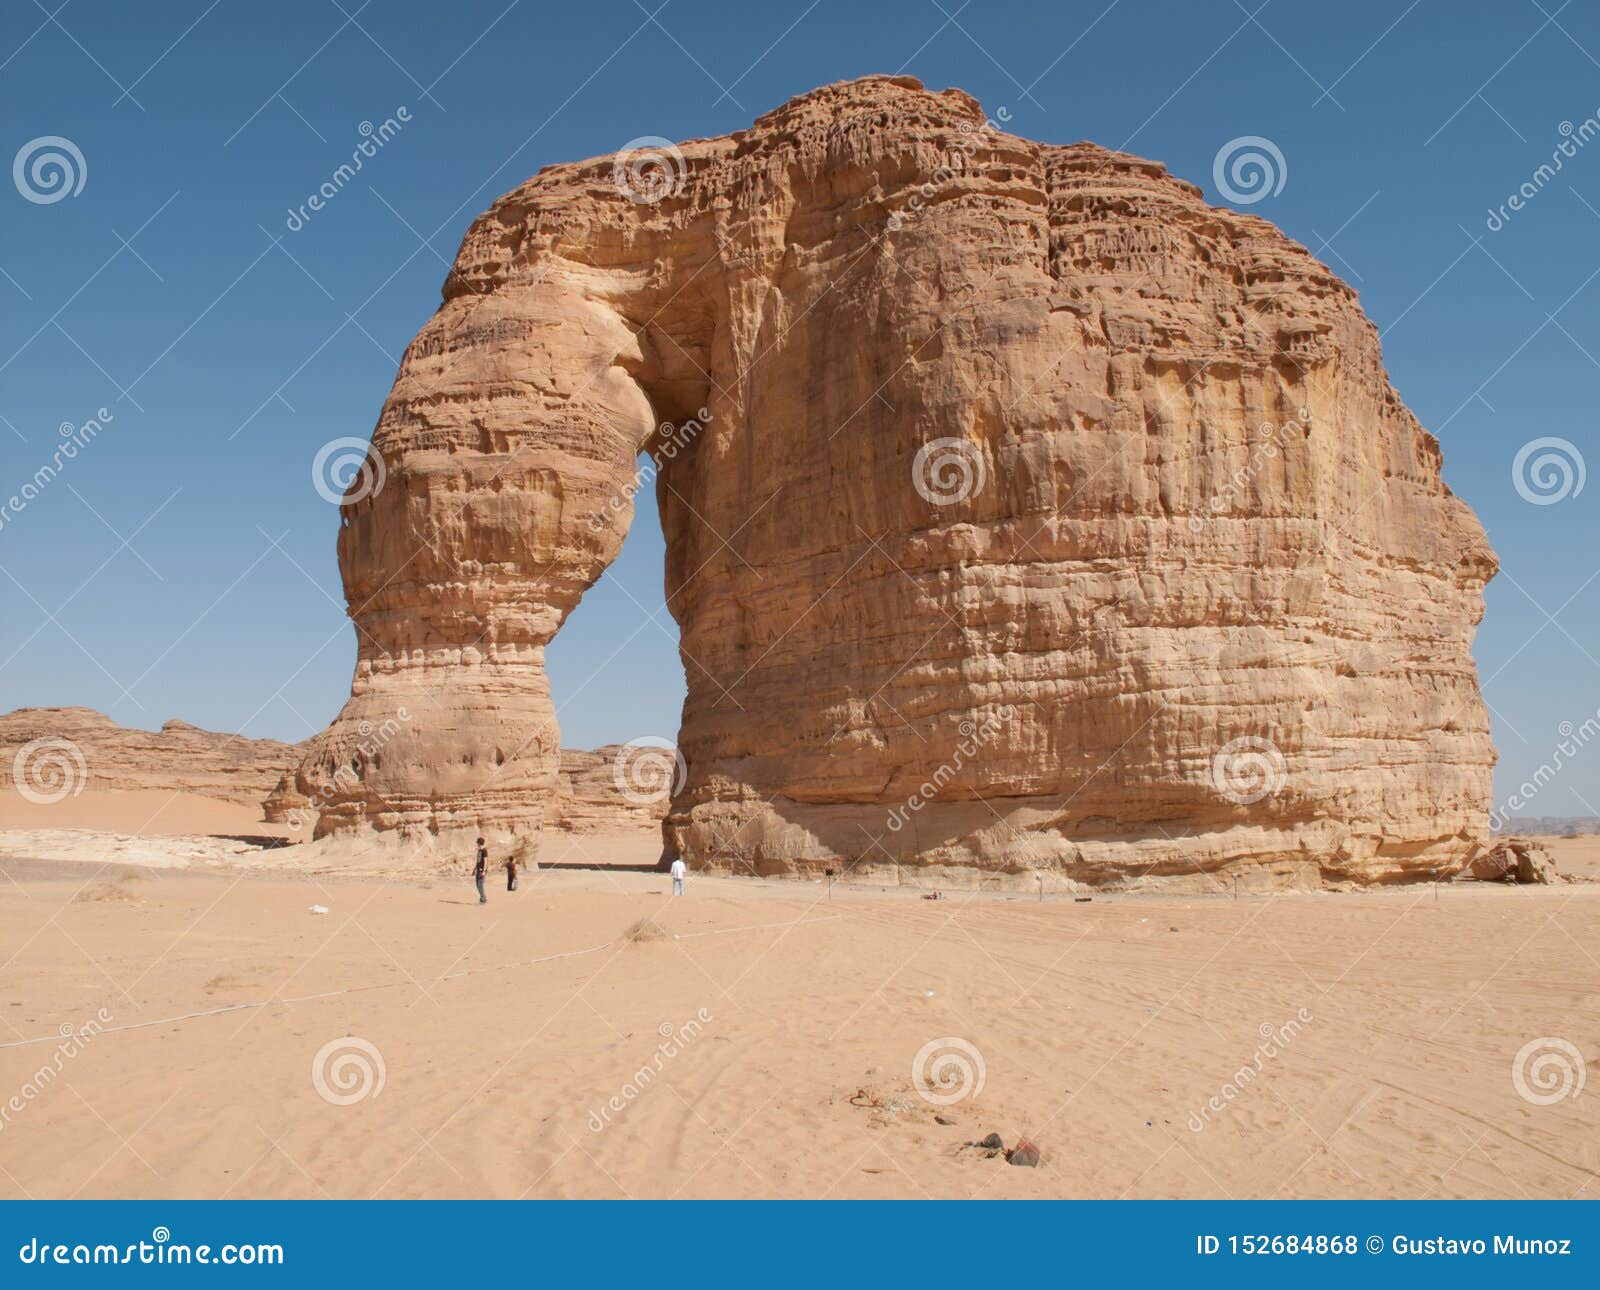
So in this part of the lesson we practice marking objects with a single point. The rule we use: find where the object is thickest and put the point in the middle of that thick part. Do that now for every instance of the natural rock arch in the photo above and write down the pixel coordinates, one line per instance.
(1030, 486)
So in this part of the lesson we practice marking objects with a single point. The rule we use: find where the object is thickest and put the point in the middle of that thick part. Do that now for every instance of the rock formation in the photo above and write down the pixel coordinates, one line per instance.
(584, 799)
(84, 747)
(587, 798)
(1512, 860)
(179, 758)
(1024, 513)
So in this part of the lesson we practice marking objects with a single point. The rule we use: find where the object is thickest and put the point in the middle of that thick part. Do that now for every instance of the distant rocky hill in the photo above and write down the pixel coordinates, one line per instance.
(177, 758)
(1551, 825)
(183, 758)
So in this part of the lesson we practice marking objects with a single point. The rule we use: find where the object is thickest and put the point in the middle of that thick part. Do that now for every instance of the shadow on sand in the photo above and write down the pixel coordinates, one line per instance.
(260, 841)
(593, 866)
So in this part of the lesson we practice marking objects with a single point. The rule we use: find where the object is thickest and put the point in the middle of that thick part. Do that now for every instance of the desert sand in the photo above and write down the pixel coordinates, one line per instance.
(776, 1028)
(139, 812)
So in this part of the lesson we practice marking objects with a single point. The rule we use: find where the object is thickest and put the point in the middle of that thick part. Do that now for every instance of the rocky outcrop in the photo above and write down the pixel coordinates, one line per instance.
(587, 798)
(65, 748)
(1025, 515)
(1512, 860)
(100, 754)
(592, 793)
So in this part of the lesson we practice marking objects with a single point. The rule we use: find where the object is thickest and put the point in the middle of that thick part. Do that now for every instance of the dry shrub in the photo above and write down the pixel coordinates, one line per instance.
(646, 929)
(108, 891)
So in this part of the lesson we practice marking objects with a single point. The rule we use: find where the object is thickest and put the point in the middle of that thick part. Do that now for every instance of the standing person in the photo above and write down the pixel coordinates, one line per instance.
(511, 873)
(481, 870)
(678, 872)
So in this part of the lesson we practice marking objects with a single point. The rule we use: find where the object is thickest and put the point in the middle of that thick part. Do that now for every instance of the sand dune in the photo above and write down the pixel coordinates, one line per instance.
(505, 1032)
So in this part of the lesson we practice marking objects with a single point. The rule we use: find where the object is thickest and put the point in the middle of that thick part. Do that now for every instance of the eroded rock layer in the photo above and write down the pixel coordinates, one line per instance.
(1024, 514)
(56, 751)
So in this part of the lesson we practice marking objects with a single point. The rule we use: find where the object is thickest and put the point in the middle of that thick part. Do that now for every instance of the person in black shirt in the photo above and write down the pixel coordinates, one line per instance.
(511, 873)
(481, 870)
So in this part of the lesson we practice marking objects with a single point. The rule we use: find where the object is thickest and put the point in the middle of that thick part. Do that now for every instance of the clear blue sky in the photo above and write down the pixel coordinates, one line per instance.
(184, 564)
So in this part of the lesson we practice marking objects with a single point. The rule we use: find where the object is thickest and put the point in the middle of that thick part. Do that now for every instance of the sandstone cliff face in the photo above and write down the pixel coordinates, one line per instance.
(587, 798)
(1033, 517)
(87, 749)
(179, 758)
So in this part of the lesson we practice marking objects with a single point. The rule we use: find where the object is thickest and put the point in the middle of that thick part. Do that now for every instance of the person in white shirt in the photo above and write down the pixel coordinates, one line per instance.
(678, 872)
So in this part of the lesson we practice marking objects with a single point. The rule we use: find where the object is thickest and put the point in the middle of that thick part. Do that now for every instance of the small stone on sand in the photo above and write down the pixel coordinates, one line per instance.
(1024, 1153)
